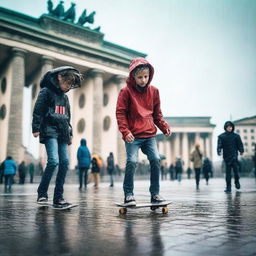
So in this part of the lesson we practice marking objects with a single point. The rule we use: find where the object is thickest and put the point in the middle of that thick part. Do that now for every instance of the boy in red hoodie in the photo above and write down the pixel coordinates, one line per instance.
(138, 113)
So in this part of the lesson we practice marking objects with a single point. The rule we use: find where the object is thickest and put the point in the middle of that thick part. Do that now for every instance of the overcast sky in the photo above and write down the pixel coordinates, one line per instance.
(203, 51)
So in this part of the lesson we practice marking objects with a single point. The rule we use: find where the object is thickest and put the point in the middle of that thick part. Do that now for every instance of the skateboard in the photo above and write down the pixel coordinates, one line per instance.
(66, 207)
(152, 206)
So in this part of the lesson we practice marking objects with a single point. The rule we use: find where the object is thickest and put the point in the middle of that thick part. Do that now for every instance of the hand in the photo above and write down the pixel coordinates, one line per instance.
(36, 134)
(129, 138)
(168, 133)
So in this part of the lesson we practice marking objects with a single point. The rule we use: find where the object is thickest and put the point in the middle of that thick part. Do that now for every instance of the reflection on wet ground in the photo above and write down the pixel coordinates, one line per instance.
(205, 222)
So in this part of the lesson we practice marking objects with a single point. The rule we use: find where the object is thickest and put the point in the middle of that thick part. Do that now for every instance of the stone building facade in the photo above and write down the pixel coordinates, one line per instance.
(186, 131)
(28, 48)
(246, 127)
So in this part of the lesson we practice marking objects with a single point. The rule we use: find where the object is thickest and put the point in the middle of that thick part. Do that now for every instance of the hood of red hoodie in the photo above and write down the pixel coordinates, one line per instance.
(135, 63)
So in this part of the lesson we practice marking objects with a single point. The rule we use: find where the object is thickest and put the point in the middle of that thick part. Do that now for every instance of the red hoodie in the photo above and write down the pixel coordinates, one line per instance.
(139, 112)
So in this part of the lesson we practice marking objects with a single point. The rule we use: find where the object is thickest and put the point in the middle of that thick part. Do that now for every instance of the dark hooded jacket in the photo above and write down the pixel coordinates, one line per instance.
(230, 143)
(138, 111)
(51, 115)
(110, 163)
(83, 155)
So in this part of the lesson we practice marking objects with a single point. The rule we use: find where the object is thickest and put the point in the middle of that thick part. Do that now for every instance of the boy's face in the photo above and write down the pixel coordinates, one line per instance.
(229, 128)
(141, 77)
(64, 84)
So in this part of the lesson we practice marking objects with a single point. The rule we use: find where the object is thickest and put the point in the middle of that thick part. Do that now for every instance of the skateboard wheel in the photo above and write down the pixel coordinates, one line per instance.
(153, 208)
(122, 211)
(165, 210)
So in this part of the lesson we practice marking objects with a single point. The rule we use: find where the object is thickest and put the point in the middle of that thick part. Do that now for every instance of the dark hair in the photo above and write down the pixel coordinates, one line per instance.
(139, 68)
(72, 77)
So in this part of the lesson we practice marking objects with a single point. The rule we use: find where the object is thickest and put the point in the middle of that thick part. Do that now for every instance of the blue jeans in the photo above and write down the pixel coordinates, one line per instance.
(83, 174)
(57, 153)
(149, 147)
(8, 181)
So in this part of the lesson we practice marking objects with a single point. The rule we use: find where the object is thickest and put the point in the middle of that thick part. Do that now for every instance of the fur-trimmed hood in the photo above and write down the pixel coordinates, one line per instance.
(50, 79)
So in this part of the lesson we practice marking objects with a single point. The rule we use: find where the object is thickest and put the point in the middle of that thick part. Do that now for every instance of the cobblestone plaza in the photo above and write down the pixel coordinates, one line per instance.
(205, 222)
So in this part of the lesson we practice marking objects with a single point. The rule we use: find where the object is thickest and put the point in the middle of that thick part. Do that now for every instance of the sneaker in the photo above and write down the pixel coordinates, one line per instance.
(129, 200)
(227, 190)
(157, 199)
(61, 202)
(61, 206)
(237, 184)
(42, 200)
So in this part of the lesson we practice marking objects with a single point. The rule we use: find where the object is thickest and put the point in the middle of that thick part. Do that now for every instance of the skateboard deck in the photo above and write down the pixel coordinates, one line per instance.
(69, 206)
(152, 206)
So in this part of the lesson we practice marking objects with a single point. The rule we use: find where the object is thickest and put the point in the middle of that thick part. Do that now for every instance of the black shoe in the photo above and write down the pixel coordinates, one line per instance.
(157, 199)
(129, 200)
(237, 184)
(61, 206)
(227, 190)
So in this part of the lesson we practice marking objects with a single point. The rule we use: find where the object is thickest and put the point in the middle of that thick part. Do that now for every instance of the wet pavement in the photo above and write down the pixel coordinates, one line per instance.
(206, 222)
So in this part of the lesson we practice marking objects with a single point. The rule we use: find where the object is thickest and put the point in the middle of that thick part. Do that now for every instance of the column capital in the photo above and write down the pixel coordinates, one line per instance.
(47, 60)
(18, 52)
(93, 73)
(118, 79)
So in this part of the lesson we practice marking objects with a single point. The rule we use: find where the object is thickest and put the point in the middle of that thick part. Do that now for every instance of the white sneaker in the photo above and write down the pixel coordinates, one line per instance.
(129, 200)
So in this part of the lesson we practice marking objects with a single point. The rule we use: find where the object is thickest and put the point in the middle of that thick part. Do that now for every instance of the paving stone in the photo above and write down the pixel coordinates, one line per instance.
(208, 222)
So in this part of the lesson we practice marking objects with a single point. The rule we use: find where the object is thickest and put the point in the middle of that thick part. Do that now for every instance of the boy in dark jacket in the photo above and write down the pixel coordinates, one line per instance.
(207, 169)
(84, 162)
(138, 113)
(51, 122)
(111, 168)
(230, 143)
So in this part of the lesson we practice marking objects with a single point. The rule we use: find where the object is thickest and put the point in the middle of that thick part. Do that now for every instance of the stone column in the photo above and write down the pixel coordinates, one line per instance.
(14, 144)
(185, 153)
(172, 146)
(207, 146)
(204, 147)
(191, 145)
(197, 138)
(210, 145)
(97, 78)
(176, 145)
(165, 147)
(203, 144)
(168, 151)
(121, 155)
(47, 64)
